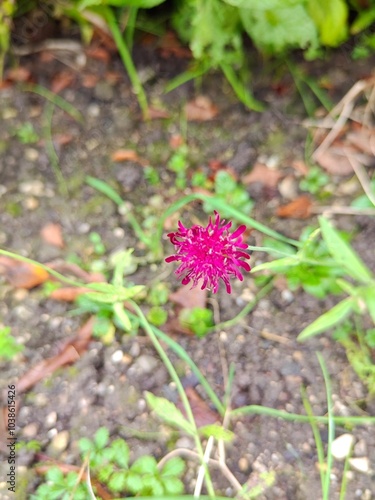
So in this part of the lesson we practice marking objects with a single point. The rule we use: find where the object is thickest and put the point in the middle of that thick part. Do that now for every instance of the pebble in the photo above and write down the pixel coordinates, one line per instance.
(51, 419)
(3, 238)
(117, 356)
(360, 464)
(9, 113)
(30, 203)
(360, 449)
(59, 443)
(185, 442)
(93, 110)
(104, 91)
(119, 232)
(342, 445)
(135, 350)
(34, 188)
(288, 187)
(31, 154)
(145, 364)
(287, 296)
(30, 430)
(243, 464)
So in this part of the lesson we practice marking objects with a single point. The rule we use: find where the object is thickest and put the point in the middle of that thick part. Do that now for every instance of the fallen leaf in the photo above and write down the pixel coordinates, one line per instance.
(300, 208)
(89, 80)
(22, 274)
(52, 234)
(158, 113)
(19, 74)
(262, 174)
(113, 77)
(68, 293)
(169, 45)
(62, 139)
(176, 141)
(61, 81)
(127, 155)
(334, 161)
(201, 109)
(189, 298)
(98, 53)
(300, 166)
(363, 139)
(63, 267)
(203, 415)
(68, 354)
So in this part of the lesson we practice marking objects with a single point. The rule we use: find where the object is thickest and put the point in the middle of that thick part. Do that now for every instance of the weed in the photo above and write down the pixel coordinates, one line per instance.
(314, 181)
(9, 347)
(26, 133)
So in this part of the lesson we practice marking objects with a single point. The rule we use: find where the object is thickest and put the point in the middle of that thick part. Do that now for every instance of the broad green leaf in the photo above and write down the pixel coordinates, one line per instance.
(330, 17)
(217, 431)
(277, 265)
(168, 412)
(363, 21)
(343, 253)
(145, 464)
(101, 437)
(369, 297)
(329, 319)
(174, 467)
(117, 481)
(122, 316)
(121, 452)
(173, 486)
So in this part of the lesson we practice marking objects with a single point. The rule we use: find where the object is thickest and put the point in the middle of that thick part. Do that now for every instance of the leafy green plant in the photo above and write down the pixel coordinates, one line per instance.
(178, 163)
(9, 347)
(26, 133)
(314, 181)
(199, 320)
(7, 9)
(59, 486)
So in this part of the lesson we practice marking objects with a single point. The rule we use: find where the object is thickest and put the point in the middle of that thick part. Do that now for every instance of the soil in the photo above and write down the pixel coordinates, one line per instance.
(101, 389)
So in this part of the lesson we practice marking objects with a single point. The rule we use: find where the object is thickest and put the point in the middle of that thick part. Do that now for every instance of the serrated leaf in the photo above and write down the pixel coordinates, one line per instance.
(134, 482)
(85, 445)
(174, 467)
(173, 486)
(145, 465)
(329, 319)
(217, 431)
(121, 453)
(101, 437)
(168, 412)
(343, 253)
(118, 481)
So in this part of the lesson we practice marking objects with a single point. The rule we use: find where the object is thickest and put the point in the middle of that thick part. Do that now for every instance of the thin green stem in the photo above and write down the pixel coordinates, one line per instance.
(127, 60)
(245, 311)
(180, 389)
(295, 417)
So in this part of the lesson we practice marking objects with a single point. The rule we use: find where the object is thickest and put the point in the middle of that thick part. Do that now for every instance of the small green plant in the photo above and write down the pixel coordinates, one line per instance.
(59, 486)
(314, 181)
(110, 463)
(26, 133)
(232, 193)
(199, 320)
(178, 163)
(9, 348)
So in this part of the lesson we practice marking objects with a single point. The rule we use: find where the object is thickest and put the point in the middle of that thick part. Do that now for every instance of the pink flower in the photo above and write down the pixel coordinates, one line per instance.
(209, 254)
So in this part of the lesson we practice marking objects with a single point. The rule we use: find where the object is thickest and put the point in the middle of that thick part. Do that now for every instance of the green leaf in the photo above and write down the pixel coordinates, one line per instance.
(277, 265)
(141, 4)
(134, 482)
(85, 445)
(122, 317)
(174, 467)
(101, 438)
(104, 188)
(330, 16)
(121, 452)
(363, 21)
(118, 481)
(168, 412)
(343, 253)
(329, 319)
(145, 465)
(217, 431)
(369, 297)
(173, 486)
(277, 29)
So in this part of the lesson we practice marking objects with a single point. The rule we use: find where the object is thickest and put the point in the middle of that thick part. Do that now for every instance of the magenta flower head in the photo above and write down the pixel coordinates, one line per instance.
(208, 254)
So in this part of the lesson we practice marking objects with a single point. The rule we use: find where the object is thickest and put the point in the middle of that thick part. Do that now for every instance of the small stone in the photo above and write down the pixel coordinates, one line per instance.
(9, 113)
(185, 442)
(287, 296)
(20, 294)
(360, 464)
(145, 364)
(119, 232)
(34, 188)
(288, 187)
(51, 419)
(342, 445)
(135, 350)
(93, 110)
(31, 154)
(31, 203)
(59, 443)
(30, 430)
(104, 91)
(243, 464)
(117, 356)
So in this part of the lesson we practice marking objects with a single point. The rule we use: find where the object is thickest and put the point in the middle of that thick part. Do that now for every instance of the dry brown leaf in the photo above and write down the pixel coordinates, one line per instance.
(176, 141)
(52, 234)
(68, 293)
(127, 155)
(22, 274)
(19, 74)
(189, 298)
(98, 53)
(363, 139)
(62, 139)
(89, 80)
(203, 415)
(201, 109)
(335, 162)
(262, 174)
(69, 353)
(158, 113)
(300, 166)
(61, 81)
(300, 208)
(63, 267)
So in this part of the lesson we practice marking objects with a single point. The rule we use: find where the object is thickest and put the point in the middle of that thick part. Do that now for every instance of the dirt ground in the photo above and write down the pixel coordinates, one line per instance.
(99, 390)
